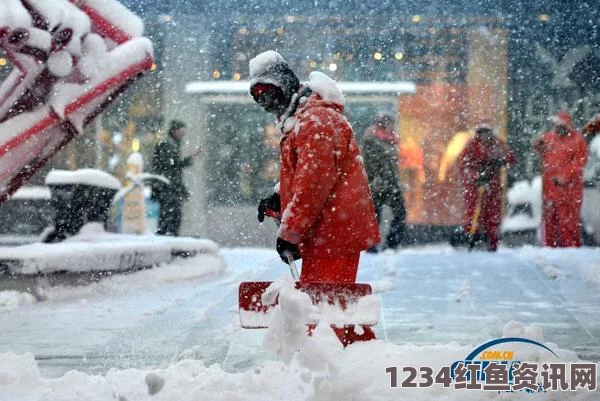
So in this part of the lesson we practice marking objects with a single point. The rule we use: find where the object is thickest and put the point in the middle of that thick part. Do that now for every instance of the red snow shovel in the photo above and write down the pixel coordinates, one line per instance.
(254, 314)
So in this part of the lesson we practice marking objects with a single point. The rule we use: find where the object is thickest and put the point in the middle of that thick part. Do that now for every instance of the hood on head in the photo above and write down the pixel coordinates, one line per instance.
(270, 68)
(484, 124)
(175, 125)
(563, 118)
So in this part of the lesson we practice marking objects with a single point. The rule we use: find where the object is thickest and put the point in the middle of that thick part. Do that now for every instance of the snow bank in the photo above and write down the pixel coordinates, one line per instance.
(12, 299)
(202, 266)
(71, 256)
(84, 176)
(32, 192)
(93, 249)
(595, 146)
(524, 192)
(193, 268)
(315, 369)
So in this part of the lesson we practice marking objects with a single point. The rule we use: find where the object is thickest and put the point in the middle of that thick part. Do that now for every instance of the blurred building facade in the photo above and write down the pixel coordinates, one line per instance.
(513, 62)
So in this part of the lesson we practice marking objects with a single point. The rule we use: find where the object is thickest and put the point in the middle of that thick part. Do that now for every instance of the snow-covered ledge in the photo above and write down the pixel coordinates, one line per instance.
(354, 88)
(85, 176)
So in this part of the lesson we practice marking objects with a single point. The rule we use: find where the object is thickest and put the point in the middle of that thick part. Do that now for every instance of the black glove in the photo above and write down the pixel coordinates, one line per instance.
(483, 179)
(270, 206)
(285, 247)
(497, 164)
(490, 169)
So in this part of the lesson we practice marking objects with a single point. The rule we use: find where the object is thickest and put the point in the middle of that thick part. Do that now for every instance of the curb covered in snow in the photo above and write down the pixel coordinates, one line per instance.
(92, 251)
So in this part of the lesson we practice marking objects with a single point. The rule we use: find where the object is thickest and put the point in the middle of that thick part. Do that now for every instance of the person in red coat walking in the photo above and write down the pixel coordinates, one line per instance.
(326, 211)
(480, 166)
(564, 155)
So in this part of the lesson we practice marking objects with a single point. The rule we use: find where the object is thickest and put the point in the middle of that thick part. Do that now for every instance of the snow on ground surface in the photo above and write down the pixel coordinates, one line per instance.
(172, 333)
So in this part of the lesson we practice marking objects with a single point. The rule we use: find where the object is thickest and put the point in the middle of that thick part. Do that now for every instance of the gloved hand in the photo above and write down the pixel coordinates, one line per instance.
(270, 206)
(284, 247)
(497, 163)
(491, 169)
(483, 179)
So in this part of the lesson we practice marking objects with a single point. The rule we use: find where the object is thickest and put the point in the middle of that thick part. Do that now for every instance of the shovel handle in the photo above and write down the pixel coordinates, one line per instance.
(475, 220)
(292, 264)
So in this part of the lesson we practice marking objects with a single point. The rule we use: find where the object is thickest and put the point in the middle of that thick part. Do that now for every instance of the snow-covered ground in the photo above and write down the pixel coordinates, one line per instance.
(172, 333)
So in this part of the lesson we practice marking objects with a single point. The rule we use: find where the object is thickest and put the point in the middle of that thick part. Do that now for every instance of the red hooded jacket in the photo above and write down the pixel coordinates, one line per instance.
(563, 160)
(481, 162)
(326, 203)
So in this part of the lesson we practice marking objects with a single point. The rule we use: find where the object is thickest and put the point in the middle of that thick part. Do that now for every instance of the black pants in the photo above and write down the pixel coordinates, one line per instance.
(393, 198)
(169, 219)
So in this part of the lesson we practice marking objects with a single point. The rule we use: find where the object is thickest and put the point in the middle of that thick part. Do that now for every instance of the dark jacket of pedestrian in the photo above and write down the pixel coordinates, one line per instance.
(380, 154)
(168, 162)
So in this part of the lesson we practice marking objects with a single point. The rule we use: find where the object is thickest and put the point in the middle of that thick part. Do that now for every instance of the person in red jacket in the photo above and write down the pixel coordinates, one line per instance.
(480, 166)
(564, 154)
(326, 211)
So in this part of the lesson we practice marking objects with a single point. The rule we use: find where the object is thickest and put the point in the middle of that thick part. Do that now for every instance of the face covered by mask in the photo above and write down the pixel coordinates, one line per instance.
(270, 98)
(272, 82)
(486, 134)
(561, 130)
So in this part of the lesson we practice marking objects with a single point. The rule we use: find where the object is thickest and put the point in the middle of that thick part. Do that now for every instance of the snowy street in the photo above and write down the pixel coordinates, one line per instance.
(454, 145)
(432, 295)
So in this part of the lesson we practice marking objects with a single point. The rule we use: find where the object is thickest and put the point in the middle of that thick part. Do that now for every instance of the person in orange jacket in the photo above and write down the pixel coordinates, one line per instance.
(325, 207)
(480, 166)
(564, 155)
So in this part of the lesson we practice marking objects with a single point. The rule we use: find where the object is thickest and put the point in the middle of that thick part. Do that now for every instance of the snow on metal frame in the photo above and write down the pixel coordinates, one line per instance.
(78, 90)
(240, 87)
(112, 19)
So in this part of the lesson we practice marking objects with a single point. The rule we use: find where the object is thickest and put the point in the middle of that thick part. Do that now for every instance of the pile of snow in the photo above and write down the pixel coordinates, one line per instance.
(198, 267)
(84, 176)
(524, 192)
(110, 252)
(595, 147)
(365, 310)
(313, 368)
(12, 299)
(591, 173)
(32, 192)
(79, 256)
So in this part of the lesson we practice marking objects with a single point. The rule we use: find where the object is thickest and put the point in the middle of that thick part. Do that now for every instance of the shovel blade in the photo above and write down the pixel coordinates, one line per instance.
(254, 314)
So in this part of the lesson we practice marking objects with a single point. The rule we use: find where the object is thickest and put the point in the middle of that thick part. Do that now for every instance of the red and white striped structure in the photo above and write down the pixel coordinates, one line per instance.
(71, 60)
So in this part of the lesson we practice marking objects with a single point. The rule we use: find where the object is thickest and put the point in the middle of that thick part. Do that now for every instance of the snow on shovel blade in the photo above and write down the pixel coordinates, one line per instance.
(254, 308)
